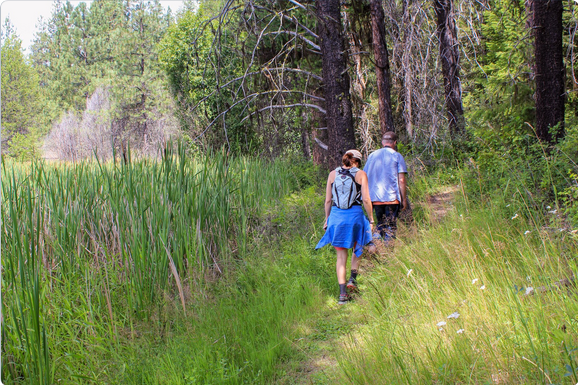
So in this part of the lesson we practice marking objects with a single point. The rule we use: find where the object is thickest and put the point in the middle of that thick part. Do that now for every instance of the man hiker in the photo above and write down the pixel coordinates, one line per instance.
(386, 174)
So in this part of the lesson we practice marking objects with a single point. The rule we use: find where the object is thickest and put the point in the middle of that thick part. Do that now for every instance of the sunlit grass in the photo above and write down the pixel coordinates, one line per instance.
(91, 250)
(479, 263)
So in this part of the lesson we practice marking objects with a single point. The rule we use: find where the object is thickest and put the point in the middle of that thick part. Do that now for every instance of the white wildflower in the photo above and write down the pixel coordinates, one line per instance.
(454, 315)
(552, 212)
(441, 323)
(474, 281)
(483, 287)
(527, 232)
(529, 290)
(409, 272)
(548, 207)
(460, 331)
(515, 216)
(508, 205)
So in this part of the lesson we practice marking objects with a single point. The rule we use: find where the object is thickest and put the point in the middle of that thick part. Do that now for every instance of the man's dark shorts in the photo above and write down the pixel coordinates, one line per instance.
(386, 219)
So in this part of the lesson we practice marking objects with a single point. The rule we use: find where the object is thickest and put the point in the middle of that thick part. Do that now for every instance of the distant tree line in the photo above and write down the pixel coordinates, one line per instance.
(101, 87)
(310, 78)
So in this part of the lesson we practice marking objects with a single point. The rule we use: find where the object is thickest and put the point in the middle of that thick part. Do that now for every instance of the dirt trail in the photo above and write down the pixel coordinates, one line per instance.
(441, 203)
(336, 325)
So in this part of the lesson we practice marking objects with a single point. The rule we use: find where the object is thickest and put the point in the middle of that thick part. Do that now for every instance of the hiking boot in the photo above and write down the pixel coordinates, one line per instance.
(343, 299)
(352, 284)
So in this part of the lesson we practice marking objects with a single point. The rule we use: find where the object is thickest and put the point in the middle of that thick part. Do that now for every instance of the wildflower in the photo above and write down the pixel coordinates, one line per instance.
(508, 205)
(483, 287)
(474, 281)
(440, 324)
(548, 207)
(529, 290)
(515, 216)
(454, 315)
(527, 232)
(409, 272)
(552, 212)
(460, 331)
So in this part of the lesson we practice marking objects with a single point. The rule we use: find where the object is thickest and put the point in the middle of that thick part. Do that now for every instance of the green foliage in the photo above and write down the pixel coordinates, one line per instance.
(23, 112)
(199, 55)
(108, 45)
(502, 98)
(505, 155)
(128, 235)
(231, 72)
(570, 198)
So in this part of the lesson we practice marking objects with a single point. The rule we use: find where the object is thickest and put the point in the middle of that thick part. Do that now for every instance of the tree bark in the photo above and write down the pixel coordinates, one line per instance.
(550, 95)
(450, 58)
(335, 80)
(381, 66)
(407, 96)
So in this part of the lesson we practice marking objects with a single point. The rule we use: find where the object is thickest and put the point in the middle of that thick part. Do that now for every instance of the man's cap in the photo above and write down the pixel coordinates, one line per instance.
(389, 136)
(356, 154)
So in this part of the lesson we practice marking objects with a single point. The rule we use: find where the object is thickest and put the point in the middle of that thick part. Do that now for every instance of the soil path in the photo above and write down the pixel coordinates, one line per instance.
(335, 326)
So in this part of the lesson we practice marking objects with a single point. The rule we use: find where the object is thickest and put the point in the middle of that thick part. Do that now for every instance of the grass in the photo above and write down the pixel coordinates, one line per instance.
(242, 328)
(192, 271)
(478, 262)
(96, 253)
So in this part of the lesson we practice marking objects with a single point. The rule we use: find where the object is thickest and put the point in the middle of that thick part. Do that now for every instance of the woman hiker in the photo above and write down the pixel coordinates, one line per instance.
(345, 223)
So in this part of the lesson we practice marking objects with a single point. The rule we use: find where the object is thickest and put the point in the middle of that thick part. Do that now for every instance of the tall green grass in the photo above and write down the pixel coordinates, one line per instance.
(479, 262)
(90, 250)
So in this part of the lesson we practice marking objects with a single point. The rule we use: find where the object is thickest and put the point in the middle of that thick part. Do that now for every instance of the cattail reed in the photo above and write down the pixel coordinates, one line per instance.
(94, 245)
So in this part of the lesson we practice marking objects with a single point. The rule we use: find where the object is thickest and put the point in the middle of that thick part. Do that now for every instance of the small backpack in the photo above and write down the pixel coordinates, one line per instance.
(345, 191)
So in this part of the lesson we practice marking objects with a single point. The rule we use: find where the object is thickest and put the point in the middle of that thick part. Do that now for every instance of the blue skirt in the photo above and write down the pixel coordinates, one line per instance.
(346, 228)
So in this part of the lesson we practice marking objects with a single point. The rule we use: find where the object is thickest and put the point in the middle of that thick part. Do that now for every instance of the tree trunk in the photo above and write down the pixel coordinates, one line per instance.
(550, 96)
(450, 58)
(335, 80)
(381, 66)
(305, 136)
(407, 24)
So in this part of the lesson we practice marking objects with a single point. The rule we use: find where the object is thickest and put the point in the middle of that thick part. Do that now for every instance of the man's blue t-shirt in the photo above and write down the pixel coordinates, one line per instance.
(382, 168)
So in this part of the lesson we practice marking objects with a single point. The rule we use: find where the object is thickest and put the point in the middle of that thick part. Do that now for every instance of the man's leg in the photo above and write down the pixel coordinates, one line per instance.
(380, 219)
(391, 212)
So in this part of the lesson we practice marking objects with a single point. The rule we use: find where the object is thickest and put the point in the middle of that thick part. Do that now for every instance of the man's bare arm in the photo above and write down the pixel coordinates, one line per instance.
(403, 190)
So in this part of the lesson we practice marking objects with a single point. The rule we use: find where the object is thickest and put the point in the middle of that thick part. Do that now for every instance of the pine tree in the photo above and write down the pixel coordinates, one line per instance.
(22, 117)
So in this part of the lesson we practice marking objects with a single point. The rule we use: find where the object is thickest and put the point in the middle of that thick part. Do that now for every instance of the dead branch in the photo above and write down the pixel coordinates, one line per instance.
(315, 106)
(321, 144)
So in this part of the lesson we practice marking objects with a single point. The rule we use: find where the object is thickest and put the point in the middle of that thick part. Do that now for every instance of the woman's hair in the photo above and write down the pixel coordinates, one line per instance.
(348, 160)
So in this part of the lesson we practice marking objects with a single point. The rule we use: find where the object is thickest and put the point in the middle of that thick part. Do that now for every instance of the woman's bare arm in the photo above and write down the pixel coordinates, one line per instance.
(328, 196)
(365, 194)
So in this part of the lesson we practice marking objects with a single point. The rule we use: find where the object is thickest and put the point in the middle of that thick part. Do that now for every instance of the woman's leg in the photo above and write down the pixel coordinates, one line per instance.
(355, 261)
(341, 265)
